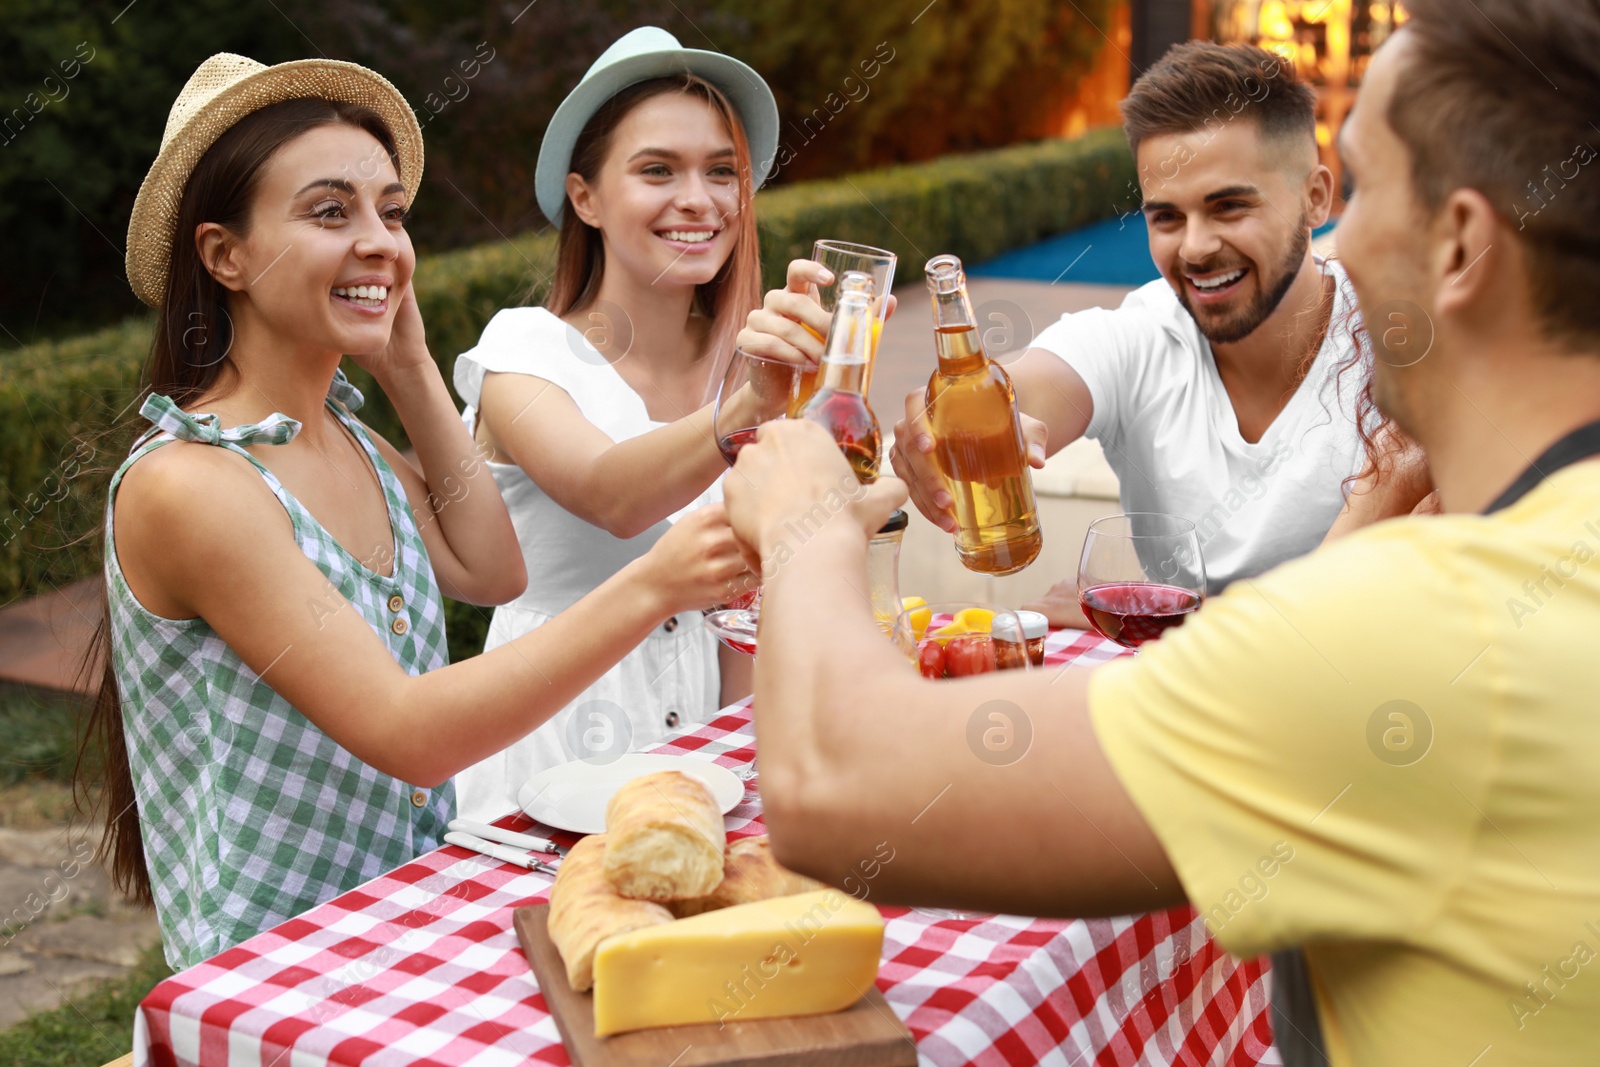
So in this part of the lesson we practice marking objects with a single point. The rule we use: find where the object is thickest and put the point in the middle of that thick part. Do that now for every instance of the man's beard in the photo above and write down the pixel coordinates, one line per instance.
(1243, 323)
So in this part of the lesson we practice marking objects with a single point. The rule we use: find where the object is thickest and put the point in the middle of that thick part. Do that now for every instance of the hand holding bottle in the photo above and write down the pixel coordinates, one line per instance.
(913, 460)
(792, 483)
(977, 436)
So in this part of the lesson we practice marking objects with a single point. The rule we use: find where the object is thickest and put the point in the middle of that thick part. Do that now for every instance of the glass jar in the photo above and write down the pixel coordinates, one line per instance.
(1034, 628)
(1018, 639)
(883, 570)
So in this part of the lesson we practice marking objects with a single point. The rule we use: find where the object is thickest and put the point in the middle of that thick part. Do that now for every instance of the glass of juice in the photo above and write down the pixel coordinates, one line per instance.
(839, 257)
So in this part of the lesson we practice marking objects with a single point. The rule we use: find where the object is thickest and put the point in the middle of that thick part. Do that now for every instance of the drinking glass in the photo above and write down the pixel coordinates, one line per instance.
(1140, 574)
(839, 257)
(755, 389)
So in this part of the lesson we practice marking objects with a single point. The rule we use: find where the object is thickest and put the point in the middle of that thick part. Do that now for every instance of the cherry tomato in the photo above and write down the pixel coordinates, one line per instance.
(971, 654)
(930, 659)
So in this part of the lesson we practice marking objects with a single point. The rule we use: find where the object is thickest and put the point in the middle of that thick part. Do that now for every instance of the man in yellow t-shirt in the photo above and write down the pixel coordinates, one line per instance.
(1385, 752)
(1378, 761)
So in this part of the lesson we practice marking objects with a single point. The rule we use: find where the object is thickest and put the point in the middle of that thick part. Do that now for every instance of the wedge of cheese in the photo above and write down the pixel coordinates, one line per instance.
(799, 955)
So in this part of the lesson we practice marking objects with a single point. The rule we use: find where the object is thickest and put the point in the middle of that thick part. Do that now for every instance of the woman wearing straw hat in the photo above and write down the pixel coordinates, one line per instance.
(277, 720)
(596, 406)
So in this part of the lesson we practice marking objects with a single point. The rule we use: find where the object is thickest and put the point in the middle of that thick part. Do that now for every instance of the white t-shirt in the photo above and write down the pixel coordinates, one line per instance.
(670, 681)
(1169, 431)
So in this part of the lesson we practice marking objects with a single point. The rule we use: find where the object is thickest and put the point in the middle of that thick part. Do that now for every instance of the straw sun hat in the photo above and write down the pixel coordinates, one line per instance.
(223, 90)
(645, 53)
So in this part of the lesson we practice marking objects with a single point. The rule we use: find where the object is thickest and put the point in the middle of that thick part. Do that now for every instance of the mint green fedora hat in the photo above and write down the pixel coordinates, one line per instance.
(640, 55)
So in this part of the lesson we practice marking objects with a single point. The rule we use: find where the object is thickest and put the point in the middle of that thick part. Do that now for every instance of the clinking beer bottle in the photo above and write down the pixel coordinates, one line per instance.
(977, 436)
(839, 406)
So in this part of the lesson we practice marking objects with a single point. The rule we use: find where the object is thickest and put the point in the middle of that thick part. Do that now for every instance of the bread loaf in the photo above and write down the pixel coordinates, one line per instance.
(585, 910)
(664, 838)
(748, 874)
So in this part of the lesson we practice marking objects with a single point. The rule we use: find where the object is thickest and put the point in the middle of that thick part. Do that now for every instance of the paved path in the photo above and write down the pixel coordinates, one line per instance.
(1010, 314)
(63, 927)
(43, 639)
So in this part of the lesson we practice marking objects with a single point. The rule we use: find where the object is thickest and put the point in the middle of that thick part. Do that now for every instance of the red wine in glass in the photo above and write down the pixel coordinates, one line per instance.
(1140, 575)
(731, 444)
(755, 389)
(1131, 613)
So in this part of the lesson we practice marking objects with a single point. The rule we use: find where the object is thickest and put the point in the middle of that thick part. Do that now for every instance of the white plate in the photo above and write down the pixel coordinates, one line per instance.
(573, 796)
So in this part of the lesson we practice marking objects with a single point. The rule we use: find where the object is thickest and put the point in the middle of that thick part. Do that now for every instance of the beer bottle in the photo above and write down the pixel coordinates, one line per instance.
(977, 436)
(839, 405)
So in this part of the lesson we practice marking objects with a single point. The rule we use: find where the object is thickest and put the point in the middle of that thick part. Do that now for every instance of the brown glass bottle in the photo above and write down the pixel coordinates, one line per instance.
(977, 436)
(840, 405)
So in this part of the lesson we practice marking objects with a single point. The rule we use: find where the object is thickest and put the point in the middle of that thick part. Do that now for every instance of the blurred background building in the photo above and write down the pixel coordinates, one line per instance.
(1330, 43)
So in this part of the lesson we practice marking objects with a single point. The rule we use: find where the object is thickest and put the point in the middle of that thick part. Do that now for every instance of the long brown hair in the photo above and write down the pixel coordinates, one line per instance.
(188, 357)
(580, 252)
(1382, 441)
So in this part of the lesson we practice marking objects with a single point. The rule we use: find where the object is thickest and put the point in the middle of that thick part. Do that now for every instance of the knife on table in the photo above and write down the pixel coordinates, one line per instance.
(506, 837)
(504, 853)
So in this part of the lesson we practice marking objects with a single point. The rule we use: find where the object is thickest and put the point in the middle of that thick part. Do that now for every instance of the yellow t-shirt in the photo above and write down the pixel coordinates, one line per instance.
(1388, 753)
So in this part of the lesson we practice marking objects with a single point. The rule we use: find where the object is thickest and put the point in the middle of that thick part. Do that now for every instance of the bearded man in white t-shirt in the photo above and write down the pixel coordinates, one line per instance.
(1232, 391)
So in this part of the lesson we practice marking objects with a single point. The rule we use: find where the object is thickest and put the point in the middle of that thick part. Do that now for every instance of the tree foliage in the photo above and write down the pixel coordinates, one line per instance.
(484, 77)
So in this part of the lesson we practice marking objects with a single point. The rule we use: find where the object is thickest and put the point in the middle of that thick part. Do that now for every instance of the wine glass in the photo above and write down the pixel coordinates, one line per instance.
(1140, 574)
(755, 389)
(840, 257)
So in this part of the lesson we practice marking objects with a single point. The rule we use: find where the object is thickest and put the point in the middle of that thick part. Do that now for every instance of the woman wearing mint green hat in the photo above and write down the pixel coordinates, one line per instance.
(597, 405)
(277, 723)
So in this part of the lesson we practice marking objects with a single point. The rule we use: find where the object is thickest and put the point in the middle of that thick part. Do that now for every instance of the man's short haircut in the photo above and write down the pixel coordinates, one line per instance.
(1501, 98)
(1202, 86)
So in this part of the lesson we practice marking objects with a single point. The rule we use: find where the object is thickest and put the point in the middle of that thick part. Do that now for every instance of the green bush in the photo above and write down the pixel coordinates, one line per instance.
(38, 736)
(67, 407)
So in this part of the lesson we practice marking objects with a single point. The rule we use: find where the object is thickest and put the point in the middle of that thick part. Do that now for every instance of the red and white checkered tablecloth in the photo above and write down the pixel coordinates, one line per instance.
(420, 966)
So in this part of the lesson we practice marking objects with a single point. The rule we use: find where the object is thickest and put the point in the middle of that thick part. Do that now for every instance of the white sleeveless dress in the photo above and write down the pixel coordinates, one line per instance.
(669, 681)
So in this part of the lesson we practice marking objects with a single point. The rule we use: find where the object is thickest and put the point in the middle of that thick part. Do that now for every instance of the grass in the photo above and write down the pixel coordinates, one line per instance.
(36, 805)
(38, 747)
(38, 736)
(88, 1030)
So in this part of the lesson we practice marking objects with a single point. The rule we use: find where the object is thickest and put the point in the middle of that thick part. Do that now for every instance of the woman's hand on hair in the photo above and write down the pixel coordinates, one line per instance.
(408, 344)
(790, 324)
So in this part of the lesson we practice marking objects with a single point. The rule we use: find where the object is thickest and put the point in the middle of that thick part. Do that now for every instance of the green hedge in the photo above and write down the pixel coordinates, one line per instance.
(67, 408)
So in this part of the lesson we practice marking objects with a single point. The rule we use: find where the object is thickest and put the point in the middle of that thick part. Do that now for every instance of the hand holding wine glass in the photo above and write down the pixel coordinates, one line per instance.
(697, 560)
(755, 389)
(1140, 575)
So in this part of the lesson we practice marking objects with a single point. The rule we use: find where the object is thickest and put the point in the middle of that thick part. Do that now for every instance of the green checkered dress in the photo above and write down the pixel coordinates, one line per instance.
(249, 813)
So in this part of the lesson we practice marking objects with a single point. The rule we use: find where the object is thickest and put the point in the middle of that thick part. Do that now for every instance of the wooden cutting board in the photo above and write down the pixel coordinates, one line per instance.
(867, 1034)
